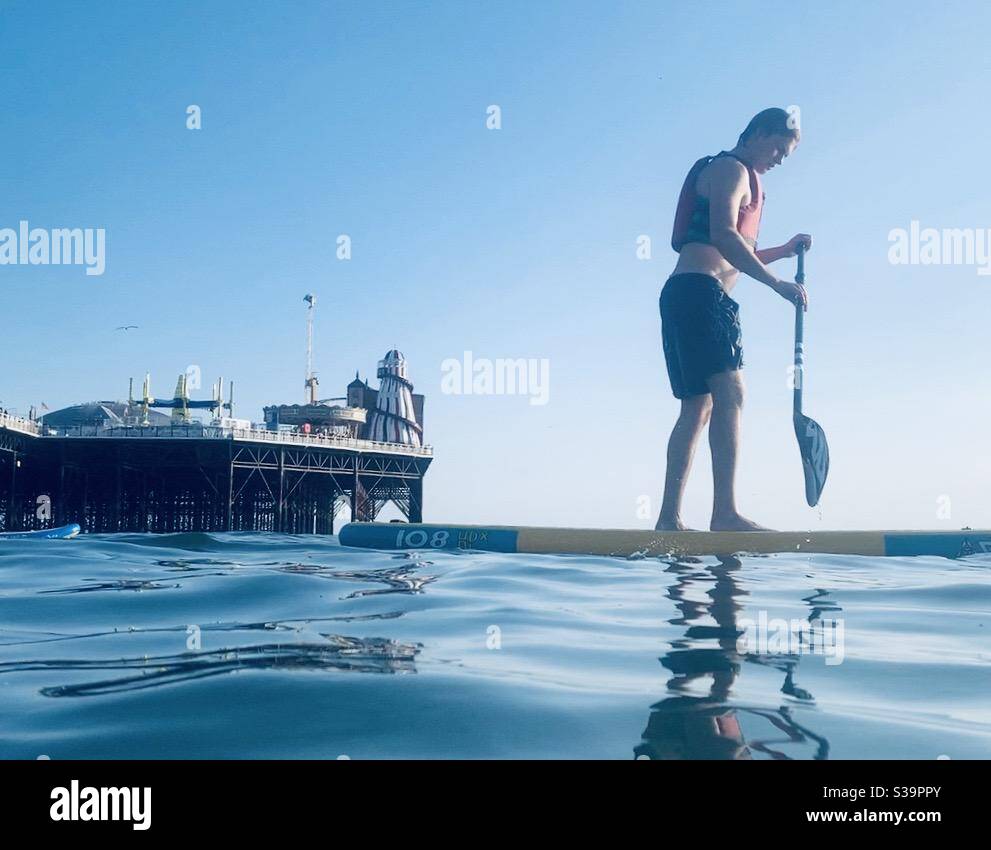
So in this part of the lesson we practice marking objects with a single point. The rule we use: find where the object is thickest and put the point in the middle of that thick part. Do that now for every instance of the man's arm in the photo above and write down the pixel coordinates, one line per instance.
(728, 186)
(782, 252)
(772, 255)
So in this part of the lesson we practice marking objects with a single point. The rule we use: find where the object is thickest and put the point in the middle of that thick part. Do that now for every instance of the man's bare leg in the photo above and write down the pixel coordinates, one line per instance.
(694, 415)
(724, 440)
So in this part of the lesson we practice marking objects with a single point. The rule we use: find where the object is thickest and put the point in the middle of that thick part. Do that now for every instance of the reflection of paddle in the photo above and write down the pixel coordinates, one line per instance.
(811, 439)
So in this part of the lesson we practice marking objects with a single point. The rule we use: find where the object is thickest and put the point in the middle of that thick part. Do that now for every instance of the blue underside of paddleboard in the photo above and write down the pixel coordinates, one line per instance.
(63, 532)
(947, 545)
(401, 536)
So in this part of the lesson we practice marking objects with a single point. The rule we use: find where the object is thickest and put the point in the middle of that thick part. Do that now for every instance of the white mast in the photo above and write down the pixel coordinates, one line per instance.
(311, 381)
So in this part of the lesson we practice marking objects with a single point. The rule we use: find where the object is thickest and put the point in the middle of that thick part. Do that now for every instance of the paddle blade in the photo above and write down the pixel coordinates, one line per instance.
(815, 457)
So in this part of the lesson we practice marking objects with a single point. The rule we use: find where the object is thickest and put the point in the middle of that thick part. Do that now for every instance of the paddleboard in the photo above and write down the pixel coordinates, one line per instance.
(620, 542)
(63, 532)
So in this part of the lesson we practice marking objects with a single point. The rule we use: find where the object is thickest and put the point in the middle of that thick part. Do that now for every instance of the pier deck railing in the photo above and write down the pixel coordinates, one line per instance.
(331, 441)
(17, 423)
(212, 432)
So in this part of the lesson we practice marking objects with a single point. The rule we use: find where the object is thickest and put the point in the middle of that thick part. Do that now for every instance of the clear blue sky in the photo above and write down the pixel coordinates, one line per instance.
(369, 119)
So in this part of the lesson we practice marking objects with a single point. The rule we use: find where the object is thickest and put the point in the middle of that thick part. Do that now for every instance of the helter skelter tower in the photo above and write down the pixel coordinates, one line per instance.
(394, 417)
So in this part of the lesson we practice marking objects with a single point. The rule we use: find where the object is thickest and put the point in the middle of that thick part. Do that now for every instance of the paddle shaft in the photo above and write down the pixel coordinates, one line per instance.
(799, 334)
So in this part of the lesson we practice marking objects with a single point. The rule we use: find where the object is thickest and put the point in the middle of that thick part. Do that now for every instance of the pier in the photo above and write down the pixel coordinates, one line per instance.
(198, 477)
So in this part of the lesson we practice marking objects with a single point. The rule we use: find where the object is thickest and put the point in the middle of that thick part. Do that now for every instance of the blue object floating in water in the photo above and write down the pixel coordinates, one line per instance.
(63, 532)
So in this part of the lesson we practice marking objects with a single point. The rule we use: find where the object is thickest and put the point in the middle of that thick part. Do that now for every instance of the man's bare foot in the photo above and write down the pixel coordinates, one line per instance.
(735, 522)
(671, 525)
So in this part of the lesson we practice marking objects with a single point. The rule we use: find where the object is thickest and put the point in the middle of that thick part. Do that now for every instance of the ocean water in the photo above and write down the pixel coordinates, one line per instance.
(272, 646)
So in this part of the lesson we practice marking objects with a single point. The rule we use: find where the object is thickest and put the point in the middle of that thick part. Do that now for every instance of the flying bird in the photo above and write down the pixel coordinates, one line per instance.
(127, 327)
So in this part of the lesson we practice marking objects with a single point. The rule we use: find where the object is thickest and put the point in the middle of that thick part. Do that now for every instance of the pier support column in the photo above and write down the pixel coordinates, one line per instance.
(143, 504)
(359, 511)
(229, 512)
(60, 518)
(416, 500)
(13, 507)
(83, 519)
(281, 507)
(118, 492)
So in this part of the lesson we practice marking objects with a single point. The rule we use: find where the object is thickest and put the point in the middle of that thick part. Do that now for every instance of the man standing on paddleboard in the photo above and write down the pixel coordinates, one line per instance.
(715, 235)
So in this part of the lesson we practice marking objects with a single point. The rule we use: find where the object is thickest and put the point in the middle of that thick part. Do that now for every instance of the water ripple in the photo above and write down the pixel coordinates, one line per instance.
(514, 655)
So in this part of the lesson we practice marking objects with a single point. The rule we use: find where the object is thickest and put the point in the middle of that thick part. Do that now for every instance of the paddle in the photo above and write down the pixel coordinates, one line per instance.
(811, 439)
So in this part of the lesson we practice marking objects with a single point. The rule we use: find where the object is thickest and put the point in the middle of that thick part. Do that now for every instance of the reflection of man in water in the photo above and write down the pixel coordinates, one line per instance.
(690, 727)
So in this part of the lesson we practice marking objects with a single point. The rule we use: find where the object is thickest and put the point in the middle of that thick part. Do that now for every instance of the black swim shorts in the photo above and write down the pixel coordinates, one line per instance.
(700, 327)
